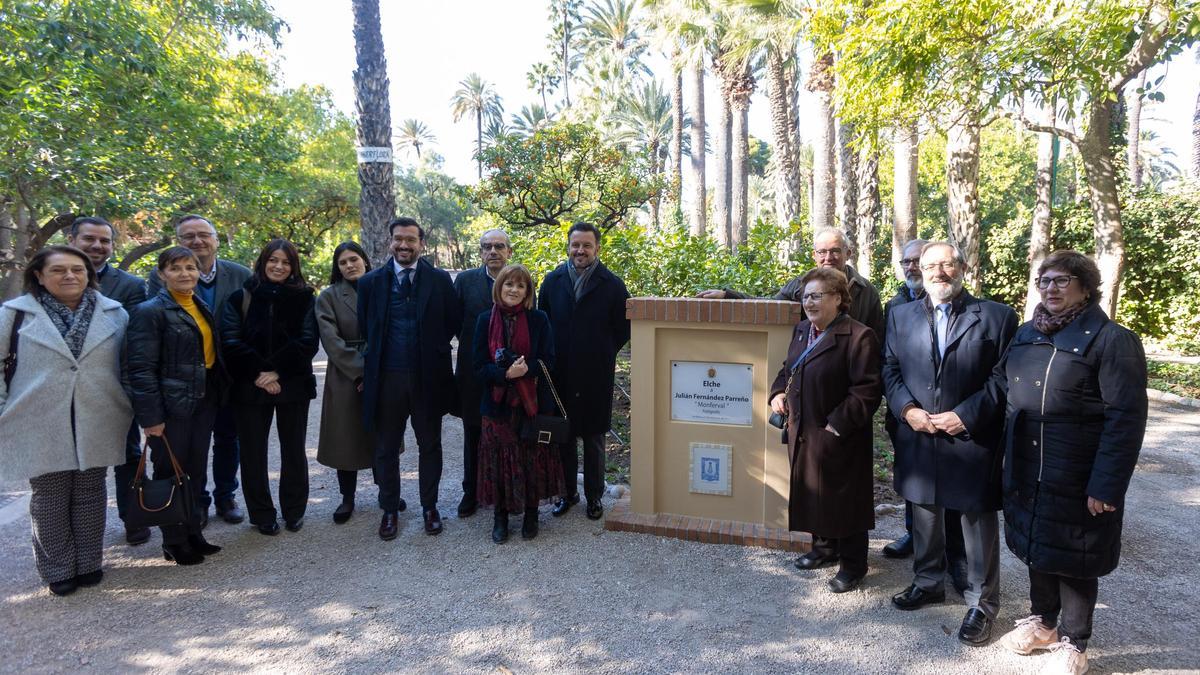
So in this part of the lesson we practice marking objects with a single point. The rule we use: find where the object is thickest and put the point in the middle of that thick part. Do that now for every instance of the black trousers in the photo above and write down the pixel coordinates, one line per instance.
(471, 434)
(851, 551)
(189, 438)
(1066, 602)
(123, 473)
(254, 428)
(593, 466)
(400, 400)
(347, 483)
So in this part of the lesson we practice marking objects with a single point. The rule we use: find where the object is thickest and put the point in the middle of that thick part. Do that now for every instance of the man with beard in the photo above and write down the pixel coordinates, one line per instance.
(474, 290)
(94, 236)
(586, 306)
(831, 249)
(938, 353)
(913, 289)
(407, 312)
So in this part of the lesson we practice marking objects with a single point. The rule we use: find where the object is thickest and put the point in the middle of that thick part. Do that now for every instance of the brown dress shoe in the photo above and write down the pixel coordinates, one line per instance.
(433, 522)
(389, 527)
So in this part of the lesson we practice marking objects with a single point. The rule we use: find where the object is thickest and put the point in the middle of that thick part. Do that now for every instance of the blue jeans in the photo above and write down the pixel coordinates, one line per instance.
(225, 459)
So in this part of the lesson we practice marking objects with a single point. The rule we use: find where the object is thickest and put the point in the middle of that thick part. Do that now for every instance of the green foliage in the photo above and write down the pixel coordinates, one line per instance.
(441, 205)
(1178, 378)
(563, 171)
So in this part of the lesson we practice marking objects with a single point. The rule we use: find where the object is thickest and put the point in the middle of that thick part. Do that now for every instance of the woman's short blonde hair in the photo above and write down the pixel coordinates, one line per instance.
(516, 273)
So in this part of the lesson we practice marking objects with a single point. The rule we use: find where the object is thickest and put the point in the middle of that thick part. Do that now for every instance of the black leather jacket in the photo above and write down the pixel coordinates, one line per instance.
(165, 359)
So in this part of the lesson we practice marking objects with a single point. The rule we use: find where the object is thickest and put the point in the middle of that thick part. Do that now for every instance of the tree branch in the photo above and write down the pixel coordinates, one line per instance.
(1154, 36)
(142, 250)
(1043, 128)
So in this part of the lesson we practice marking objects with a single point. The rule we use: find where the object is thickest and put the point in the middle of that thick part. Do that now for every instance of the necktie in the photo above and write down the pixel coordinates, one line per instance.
(405, 283)
(943, 323)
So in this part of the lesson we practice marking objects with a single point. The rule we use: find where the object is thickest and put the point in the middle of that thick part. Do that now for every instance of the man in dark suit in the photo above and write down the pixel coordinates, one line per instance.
(586, 306)
(95, 236)
(407, 312)
(956, 558)
(474, 290)
(938, 353)
(831, 249)
(218, 280)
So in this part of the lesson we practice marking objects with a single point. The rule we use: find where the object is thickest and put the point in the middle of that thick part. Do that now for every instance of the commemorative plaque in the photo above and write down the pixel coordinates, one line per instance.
(712, 393)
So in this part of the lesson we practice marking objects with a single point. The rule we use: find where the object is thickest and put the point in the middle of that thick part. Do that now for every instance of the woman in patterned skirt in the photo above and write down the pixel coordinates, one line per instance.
(515, 475)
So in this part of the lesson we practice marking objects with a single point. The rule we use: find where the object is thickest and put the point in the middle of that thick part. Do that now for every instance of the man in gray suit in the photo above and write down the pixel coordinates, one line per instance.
(474, 289)
(938, 353)
(218, 280)
(95, 236)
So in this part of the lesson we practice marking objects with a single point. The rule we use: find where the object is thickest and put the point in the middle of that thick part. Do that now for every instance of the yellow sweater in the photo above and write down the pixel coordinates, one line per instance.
(188, 303)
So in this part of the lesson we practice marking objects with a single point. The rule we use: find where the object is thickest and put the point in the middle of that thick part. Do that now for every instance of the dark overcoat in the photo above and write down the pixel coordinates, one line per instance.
(344, 443)
(865, 306)
(1076, 411)
(439, 317)
(119, 285)
(954, 472)
(489, 375)
(474, 290)
(588, 333)
(230, 278)
(902, 297)
(832, 482)
(278, 333)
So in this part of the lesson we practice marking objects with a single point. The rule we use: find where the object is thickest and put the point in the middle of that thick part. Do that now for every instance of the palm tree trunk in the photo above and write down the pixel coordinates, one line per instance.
(721, 153)
(566, 53)
(906, 152)
(869, 209)
(655, 172)
(783, 165)
(1099, 165)
(822, 207)
(1132, 148)
(740, 157)
(962, 193)
(1196, 140)
(479, 143)
(846, 193)
(700, 190)
(377, 199)
(676, 149)
(1039, 234)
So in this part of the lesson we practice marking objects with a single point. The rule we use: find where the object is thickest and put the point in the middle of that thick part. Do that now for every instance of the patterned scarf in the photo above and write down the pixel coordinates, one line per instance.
(72, 325)
(579, 278)
(1049, 324)
(523, 391)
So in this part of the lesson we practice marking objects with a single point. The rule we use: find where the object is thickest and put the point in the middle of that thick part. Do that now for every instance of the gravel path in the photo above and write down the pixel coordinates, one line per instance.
(334, 598)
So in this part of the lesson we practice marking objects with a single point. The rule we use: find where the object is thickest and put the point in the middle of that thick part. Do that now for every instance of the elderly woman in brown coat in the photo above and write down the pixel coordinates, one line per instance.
(829, 388)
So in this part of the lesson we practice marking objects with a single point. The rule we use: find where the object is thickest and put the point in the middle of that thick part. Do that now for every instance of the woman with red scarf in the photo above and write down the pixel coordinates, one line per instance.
(515, 475)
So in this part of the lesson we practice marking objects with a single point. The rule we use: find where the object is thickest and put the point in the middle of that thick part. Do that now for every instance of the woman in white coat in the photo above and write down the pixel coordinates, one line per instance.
(64, 414)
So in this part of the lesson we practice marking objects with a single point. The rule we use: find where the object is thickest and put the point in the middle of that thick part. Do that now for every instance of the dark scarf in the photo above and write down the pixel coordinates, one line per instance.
(523, 391)
(579, 278)
(1049, 324)
(71, 325)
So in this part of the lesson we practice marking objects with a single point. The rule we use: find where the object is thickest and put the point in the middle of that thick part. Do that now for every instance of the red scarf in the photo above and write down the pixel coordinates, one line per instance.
(523, 391)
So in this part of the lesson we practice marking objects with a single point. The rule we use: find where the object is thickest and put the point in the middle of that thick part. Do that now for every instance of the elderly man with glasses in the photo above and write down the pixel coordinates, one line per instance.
(831, 249)
(938, 353)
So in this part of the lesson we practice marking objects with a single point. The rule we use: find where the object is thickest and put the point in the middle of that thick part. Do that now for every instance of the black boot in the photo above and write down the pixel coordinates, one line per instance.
(529, 526)
(500, 526)
(182, 554)
(199, 545)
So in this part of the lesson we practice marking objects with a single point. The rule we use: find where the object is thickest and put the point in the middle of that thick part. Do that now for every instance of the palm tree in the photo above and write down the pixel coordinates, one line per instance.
(820, 83)
(644, 121)
(564, 38)
(494, 129)
(530, 119)
(1196, 133)
(542, 79)
(613, 45)
(414, 134)
(377, 198)
(476, 96)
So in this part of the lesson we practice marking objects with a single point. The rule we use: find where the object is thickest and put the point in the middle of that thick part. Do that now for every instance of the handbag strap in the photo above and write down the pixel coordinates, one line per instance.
(550, 381)
(140, 474)
(10, 361)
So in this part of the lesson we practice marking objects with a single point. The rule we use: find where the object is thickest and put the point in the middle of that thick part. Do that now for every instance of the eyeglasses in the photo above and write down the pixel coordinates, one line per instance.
(813, 297)
(493, 247)
(944, 265)
(824, 252)
(1059, 282)
(193, 236)
(909, 262)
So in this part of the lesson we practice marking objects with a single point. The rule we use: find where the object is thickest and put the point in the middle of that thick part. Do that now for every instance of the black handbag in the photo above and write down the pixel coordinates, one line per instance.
(163, 501)
(10, 361)
(547, 429)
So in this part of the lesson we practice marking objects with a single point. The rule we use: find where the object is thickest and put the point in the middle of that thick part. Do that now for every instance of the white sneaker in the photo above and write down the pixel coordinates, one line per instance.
(1065, 659)
(1029, 636)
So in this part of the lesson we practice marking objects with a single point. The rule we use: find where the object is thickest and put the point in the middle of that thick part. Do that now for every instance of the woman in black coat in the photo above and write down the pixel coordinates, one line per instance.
(1076, 413)
(515, 475)
(177, 382)
(269, 337)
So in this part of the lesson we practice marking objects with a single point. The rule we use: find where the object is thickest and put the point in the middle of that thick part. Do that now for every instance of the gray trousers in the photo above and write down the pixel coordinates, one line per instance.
(981, 539)
(68, 510)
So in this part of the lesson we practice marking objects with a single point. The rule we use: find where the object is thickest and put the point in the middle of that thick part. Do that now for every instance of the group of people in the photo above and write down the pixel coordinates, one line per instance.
(96, 359)
(1043, 420)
